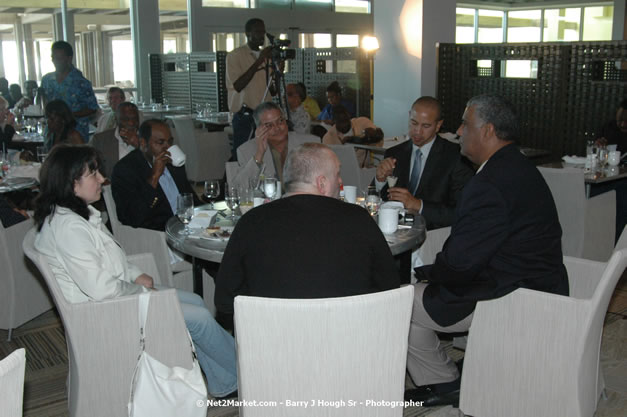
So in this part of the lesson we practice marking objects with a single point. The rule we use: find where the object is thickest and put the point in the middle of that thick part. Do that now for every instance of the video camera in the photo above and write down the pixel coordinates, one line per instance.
(280, 50)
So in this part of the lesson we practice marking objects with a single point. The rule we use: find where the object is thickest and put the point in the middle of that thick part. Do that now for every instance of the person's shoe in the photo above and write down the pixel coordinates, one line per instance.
(436, 394)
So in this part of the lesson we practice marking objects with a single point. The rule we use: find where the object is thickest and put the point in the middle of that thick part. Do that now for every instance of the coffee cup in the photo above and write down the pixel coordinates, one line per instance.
(613, 158)
(350, 194)
(388, 220)
(177, 156)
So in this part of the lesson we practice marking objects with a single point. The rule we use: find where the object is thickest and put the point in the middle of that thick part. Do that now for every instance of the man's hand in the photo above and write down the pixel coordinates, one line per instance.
(129, 136)
(404, 196)
(385, 169)
(265, 54)
(261, 136)
(158, 166)
(145, 280)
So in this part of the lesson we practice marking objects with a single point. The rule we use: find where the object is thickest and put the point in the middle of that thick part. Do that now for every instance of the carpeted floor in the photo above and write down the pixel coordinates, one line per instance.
(46, 365)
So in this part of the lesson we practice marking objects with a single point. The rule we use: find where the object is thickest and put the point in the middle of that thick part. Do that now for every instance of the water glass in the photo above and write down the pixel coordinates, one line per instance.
(603, 156)
(42, 153)
(269, 187)
(185, 210)
(211, 191)
(231, 194)
(246, 198)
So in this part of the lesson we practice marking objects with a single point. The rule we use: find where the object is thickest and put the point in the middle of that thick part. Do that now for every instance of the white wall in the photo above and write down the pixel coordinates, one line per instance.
(405, 65)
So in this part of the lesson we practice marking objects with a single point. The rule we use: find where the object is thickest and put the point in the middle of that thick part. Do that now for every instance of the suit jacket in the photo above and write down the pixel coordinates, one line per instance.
(138, 204)
(506, 236)
(246, 157)
(108, 145)
(444, 175)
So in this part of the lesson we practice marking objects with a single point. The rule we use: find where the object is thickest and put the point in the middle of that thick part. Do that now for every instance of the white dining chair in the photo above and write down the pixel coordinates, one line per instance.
(351, 348)
(12, 369)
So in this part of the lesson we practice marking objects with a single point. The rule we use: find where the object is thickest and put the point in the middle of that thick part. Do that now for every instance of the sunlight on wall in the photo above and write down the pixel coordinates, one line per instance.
(411, 27)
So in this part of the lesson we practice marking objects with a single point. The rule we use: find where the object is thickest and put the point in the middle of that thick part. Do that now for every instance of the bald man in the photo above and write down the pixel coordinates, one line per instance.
(289, 248)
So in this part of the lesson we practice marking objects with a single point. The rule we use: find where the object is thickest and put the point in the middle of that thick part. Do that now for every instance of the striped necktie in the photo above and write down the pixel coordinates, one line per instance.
(415, 172)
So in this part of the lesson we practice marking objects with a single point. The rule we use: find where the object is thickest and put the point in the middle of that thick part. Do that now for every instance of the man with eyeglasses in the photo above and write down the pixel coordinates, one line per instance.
(267, 152)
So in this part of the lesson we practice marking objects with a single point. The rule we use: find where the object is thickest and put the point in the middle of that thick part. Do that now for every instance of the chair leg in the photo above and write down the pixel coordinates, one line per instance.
(10, 333)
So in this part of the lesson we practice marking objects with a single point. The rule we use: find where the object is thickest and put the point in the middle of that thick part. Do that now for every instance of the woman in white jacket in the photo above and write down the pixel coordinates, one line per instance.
(90, 265)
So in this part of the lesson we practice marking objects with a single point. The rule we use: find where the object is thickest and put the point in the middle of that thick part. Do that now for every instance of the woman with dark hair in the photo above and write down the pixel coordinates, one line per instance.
(89, 265)
(61, 125)
(334, 97)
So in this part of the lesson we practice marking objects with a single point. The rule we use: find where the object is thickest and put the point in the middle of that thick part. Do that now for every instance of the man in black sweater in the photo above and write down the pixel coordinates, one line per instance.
(308, 244)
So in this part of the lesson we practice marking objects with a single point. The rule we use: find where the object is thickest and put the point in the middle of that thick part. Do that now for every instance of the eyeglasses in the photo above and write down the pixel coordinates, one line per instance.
(275, 123)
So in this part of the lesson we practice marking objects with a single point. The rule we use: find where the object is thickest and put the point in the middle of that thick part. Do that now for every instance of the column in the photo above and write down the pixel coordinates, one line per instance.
(146, 35)
(18, 34)
(29, 51)
(405, 64)
(619, 23)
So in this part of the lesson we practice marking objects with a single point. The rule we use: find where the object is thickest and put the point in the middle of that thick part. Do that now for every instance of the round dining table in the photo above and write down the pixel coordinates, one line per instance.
(200, 245)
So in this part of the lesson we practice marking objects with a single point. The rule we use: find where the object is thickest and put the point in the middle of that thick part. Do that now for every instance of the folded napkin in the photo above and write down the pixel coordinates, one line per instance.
(578, 160)
(202, 219)
(392, 204)
(28, 170)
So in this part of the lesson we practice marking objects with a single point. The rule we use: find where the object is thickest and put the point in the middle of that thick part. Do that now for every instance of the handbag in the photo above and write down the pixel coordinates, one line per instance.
(158, 390)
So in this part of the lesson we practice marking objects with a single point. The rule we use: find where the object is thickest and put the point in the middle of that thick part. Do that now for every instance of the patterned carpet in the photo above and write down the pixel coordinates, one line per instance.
(46, 369)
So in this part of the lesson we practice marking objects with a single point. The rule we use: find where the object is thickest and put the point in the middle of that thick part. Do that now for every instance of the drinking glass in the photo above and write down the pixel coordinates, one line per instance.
(231, 195)
(269, 187)
(246, 198)
(211, 191)
(185, 210)
(602, 155)
(166, 103)
(42, 153)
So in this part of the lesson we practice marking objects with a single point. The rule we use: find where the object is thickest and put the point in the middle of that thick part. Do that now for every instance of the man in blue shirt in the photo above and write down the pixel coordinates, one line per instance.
(68, 84)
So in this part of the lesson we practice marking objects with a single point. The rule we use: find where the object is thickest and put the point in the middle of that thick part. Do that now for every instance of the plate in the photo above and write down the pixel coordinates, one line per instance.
(16, 183)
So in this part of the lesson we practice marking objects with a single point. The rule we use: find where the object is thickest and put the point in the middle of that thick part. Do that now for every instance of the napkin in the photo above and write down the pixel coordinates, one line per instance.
(392, 204)
(202, 219)
(28, 171)
(578, 160)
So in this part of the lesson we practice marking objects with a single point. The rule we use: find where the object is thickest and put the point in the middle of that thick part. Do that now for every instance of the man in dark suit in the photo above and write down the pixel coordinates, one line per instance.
(430, 171)
(118, 142)
(145, 184)
(506, 236)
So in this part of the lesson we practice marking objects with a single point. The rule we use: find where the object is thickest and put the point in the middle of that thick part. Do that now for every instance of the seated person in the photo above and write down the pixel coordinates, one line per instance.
(145, 184)
(309, 103)
(506, 236)
(268, 150)
(298, 116)
(90, 266)
(430, 171)
(334, 97)
(30, 91)
(16, 93)
(115, 96)
(358, 130)
(7, 123)
(9, 214)
(119, 141)
(61, 125)
(615, 131)
(288, 248)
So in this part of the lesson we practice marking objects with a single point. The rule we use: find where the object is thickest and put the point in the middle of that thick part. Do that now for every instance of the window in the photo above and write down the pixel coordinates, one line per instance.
(558, 24)
(490, 26)
(523, 26)
(561, 24)
(314, 40)
(9, 52)
(314, 4)
(352, 6)
(346, 41)
(465, 25)
(597, 23)
(520, 68)
(169, 46)
(225, 3)
(228, 41)
(122, 49)
(274, 4)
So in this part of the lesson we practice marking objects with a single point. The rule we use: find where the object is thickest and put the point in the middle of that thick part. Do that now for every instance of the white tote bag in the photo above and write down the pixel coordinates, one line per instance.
(158, 390)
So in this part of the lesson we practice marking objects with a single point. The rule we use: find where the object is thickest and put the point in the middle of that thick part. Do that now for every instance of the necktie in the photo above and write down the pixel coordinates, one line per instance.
(415, 172)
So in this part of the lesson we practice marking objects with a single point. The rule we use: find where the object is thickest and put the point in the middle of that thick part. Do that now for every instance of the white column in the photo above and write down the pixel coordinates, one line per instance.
(405, 64)
(18, 33)
(146, 36)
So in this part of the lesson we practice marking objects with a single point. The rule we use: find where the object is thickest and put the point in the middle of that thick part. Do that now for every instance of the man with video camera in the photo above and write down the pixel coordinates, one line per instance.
(247, 80)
